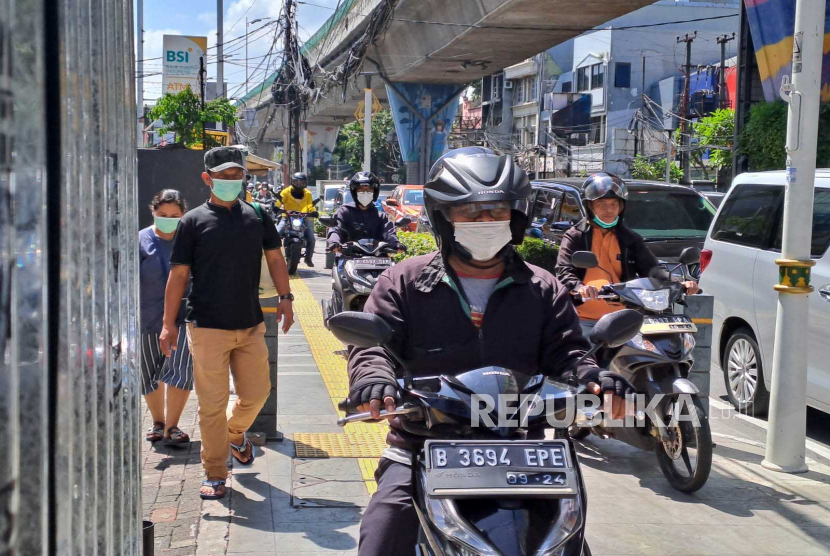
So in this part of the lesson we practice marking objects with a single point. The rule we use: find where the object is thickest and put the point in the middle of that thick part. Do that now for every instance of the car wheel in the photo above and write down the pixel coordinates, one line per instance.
(743, 373)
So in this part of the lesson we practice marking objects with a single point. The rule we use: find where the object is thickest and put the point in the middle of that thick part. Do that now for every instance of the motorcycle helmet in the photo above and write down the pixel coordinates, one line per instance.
(603, 185)
(364, 178)
(474, 175)
(298, 185)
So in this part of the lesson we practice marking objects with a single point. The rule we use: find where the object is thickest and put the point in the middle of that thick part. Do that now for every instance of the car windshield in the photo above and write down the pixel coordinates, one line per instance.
(331, 193)
(668, 214)
(413, 197)
(347, 197)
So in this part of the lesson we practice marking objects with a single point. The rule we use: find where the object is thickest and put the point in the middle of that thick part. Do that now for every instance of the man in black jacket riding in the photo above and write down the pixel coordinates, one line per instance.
(474, 303)
(622, 253)
(360, 219)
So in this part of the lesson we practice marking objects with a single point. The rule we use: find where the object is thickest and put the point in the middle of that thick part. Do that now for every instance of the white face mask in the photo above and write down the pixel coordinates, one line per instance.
(365, 198)
(483, 239)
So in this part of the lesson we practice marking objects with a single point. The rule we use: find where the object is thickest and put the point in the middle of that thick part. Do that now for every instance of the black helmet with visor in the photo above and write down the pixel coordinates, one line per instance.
(603, 185)
(468, 181)
(364, 178)
(299, 180)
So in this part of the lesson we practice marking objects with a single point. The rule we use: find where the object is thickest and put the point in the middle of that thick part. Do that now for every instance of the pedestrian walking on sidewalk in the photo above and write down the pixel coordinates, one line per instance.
(157, 370)
(220, 244)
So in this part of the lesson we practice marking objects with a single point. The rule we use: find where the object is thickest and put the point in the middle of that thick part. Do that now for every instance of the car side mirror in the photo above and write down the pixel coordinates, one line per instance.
(615, 329)
(562, 226)
(403, 221)
(327, 221)
(690, 255)
(391, 202)
(360, 329)
(584, 259)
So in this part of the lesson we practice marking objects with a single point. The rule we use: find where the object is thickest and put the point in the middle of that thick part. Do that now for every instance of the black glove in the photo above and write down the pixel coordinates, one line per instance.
(401, 247)
(609, 381)
(375, 391)
(314, 214)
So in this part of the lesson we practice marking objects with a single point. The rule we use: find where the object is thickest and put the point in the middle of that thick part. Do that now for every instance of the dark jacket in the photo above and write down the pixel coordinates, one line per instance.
(354, 224)
(530, 325)
(637, 260)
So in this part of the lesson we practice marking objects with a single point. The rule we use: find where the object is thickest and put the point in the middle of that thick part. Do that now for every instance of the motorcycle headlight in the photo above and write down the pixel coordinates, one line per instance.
(653, 300)
(641, 342)
(296, 223)
(361, 285)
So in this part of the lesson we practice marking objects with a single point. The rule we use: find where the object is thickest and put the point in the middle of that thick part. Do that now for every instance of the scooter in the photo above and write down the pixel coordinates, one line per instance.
(293, 236)
(355, 271)
(657, 362)
(490, 489)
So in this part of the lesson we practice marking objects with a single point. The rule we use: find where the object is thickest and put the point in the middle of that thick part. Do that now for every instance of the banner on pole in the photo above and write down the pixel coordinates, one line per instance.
(427, 98)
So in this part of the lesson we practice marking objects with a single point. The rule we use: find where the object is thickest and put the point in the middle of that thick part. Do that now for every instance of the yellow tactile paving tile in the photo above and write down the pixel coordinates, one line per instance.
(365, 441)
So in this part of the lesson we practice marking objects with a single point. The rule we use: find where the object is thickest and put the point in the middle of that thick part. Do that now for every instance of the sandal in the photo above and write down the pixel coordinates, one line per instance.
(243, 450)
(218, 486)
(175, 435)
(155, 433)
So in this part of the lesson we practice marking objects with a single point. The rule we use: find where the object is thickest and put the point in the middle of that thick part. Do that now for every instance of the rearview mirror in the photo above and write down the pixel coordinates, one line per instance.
(690, 255)
(317, 200)
(360, 329)
(615, 329)
(327, 221)
(584, 259)
(391, 202)
(403, 221)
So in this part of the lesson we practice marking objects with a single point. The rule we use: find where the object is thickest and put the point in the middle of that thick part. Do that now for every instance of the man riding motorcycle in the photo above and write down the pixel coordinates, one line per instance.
(474, 303)
(360, 219)
(622, 253)
(297, 198)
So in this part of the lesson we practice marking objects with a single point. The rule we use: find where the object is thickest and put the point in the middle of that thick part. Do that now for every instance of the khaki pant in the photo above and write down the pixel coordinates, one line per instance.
(245, 352)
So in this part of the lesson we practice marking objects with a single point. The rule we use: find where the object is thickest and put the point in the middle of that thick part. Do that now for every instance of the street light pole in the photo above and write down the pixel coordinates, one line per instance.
(246, 56)
(140, 82)
(787, 432)
(220, 56)
(367, 124)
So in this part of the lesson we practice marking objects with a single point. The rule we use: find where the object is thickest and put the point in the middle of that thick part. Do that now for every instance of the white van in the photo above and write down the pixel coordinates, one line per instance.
(738, 268)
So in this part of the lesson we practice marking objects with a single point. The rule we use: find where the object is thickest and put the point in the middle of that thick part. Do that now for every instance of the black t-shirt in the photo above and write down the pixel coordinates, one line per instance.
(223, 248)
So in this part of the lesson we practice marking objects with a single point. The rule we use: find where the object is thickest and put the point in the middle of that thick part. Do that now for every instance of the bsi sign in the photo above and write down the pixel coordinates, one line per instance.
(181, 63)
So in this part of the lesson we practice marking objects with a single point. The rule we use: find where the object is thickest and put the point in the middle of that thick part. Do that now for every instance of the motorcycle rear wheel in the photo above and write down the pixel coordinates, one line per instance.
(674, 457)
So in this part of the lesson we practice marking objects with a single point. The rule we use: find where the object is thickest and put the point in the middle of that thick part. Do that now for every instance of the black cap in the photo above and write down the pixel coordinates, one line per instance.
(222, 158)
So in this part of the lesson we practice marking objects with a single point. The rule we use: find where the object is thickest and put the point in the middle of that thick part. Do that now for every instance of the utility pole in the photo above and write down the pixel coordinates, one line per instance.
(202, 80)
(722, 40)
(668, 156)
(140, 82)
(684, 124)
(787, 430)
(220, 55)
(367, 124)
(246, 56)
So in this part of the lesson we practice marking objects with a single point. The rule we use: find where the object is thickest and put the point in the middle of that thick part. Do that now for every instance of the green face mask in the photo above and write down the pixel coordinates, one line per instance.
(605, 225)
(166, 225)
(226, 190)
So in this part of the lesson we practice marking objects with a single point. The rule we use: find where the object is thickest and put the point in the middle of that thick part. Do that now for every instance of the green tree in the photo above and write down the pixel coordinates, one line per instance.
(183, 114)
(385, 154)
(716, 132)
(645, 169)
(765, 134)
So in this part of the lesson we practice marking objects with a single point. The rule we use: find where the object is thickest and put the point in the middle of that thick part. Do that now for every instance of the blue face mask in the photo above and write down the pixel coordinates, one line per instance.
(605, 225)
(227, 190)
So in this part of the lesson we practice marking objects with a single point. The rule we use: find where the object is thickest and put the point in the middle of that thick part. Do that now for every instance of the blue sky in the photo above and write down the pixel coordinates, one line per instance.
(198, 18)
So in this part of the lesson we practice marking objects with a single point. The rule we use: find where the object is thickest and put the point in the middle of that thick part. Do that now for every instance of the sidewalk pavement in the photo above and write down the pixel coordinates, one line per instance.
(285, 504)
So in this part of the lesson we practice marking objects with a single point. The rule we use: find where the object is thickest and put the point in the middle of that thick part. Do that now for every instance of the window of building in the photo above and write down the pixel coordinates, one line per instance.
(597, 76)
(583, 79)
(567, 86)
(531, 89)
(518, 92)
(597, 131)
(497, 84)
(748, 217)
(622, 74)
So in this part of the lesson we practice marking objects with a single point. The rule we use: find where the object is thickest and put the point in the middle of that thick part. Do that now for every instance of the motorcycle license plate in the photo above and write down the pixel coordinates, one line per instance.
(373, 262)
(667, 325)
(472, 468)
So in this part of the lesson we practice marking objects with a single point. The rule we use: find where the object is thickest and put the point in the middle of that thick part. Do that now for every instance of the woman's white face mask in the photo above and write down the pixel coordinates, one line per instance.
(483, 239)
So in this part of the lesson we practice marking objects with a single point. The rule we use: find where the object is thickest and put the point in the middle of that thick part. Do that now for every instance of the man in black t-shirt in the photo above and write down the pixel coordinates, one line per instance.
(220, 244)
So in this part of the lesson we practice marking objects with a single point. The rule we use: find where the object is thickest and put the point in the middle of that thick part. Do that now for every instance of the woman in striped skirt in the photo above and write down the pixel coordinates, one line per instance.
(176, 372)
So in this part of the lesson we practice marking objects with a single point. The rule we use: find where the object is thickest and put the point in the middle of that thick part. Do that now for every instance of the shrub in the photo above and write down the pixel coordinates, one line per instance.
(416, 244)
(539, 252)
(319, 229)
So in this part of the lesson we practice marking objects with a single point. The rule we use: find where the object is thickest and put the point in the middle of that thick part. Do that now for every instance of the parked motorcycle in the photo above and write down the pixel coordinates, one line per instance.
(490, 490)
(657, 362)
(293, 236)
(356, 270)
